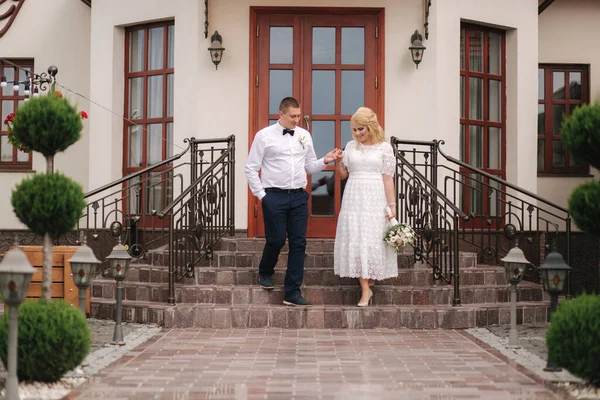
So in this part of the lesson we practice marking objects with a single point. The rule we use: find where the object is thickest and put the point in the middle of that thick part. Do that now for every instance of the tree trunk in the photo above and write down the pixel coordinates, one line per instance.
(47, 264)
(47, 274)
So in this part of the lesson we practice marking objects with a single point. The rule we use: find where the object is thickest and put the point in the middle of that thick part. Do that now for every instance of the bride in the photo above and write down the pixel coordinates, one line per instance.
(369, 164)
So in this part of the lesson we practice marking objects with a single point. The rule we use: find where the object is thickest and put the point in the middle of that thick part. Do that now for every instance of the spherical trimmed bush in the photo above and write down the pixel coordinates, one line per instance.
(584, 205)
(573, 339)
(54, 338)
(48, 203)
(47, 124)
(581, 133)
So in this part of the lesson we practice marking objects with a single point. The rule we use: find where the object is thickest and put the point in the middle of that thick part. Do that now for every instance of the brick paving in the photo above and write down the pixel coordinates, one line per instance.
(287, 364)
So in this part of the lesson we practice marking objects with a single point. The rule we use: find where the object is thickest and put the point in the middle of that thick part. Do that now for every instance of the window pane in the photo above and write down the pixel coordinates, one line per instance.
(476, 51)
(346, 134)
(135, 198)
(572, 108)
(541, 119)
(22, 156)
(154, 142)
(170, 78)
(558, 110)
(23, 76)
(136, 51)
(476, 194)
(323, 136)
(280, 86)
(322, 190)
(353, 91)
(323, 92)
(494, 196)
(156, 48)
(154, 192)
(353, 46)
(495, 101)
(169, 139)
(494, 53)
(462, 49)
(155, 96)
(462, 143)
(476, 98)
(575, 85)
(541, 84)
(9, 73)
(558, 153)
(6, 149)
(558, 85)
(135, 146)
(476, 146)
(494, 148)
(7, 108)
(462, 97)
(171, 48)
(323, 46)
(136, 98)
(281, 45)
(540, 155)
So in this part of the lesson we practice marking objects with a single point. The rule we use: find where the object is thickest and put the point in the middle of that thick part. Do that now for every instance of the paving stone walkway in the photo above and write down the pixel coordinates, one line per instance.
(271, 363)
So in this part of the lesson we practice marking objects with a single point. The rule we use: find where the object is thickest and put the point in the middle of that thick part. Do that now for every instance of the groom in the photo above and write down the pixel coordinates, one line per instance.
(284, 153)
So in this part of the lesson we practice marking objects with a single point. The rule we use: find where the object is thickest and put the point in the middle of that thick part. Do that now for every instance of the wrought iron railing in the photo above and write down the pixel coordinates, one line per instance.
(499, 214)
(203, 213)
(139, 209)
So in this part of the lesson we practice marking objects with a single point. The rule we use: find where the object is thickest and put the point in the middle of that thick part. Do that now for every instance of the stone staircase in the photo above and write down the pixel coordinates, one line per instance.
(224, 294)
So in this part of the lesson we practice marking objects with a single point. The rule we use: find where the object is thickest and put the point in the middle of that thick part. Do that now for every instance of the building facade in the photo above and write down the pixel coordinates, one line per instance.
(490, 75)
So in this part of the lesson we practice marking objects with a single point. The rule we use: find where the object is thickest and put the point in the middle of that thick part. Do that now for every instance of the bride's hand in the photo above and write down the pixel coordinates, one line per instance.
(393, 214)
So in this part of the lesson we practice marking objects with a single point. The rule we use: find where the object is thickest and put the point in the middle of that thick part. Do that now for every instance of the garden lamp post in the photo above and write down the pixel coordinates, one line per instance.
(119, 261)
(554, 273)
(15, 275)
(515, 264)
(83, 268)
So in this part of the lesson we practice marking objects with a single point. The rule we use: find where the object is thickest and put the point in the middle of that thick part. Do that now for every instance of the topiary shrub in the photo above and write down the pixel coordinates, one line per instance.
(47, 124)
(573, 339)
(581, 133)
(54, 338)
(584, 204)
(48, 203)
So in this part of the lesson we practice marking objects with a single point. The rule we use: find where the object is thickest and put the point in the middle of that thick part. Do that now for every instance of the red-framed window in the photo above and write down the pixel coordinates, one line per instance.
(148, 129)
(11, 158)
(482, 114)
(561, 88)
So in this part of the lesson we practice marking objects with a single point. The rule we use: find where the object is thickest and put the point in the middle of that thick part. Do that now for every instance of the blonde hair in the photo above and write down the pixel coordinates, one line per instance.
(366, 117)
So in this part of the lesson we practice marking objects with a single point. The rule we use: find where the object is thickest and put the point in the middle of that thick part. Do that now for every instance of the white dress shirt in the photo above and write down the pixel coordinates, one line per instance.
(284, 160)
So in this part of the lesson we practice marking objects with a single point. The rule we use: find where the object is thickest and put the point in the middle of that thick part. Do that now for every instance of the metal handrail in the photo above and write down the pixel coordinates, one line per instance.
(140, 172)
(193, 185)
(426, 181)
(499, 180)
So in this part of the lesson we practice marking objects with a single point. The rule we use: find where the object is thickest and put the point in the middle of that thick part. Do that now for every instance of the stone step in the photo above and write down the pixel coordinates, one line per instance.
(318, 295)
(333, 317)
(418, 276)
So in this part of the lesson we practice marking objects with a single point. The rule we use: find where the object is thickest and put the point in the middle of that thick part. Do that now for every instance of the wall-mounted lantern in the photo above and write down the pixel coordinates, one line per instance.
(216, 48)
(416, 48)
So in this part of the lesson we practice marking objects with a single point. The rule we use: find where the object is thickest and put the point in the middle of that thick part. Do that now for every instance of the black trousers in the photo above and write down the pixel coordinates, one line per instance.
(285, 214)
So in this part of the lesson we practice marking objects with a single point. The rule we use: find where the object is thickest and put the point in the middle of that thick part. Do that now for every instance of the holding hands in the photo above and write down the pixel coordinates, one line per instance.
(333, 155)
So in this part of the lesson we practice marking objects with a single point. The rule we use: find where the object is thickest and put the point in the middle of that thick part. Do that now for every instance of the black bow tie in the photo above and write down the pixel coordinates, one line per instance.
(290, 131)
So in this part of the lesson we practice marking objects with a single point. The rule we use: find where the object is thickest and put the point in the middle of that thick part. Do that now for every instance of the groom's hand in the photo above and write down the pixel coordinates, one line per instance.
(333, 155)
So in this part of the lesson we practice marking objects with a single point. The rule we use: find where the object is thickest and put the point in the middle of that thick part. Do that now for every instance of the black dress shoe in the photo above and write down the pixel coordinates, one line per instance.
(266, 282)
(298, 301)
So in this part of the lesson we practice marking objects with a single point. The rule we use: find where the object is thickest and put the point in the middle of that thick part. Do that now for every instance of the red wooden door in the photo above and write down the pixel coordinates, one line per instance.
(330, 63)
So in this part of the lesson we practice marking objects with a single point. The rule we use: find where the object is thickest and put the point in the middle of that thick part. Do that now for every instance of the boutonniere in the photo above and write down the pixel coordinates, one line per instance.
(302, 140)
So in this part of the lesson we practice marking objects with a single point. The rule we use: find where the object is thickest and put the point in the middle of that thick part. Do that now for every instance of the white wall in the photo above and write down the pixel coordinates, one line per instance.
(57, 35)
(568, 33)
(420, 104)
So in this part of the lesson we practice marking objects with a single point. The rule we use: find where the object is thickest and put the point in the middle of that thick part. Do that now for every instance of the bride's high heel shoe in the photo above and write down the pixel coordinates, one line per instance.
(367, 302)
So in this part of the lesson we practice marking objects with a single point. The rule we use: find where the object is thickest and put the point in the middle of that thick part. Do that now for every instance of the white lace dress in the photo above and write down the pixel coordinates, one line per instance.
(359, 247)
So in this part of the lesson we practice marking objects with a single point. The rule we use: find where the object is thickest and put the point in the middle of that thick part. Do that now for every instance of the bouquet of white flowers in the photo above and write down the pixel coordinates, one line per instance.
(398, 235)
